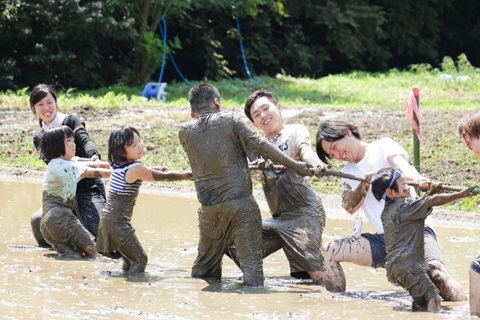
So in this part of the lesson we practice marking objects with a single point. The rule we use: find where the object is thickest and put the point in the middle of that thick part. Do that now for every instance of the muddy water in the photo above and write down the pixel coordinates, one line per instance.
(34, 285)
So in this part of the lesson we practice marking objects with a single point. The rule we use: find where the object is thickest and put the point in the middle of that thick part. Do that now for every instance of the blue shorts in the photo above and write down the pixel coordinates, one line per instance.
(377, 246)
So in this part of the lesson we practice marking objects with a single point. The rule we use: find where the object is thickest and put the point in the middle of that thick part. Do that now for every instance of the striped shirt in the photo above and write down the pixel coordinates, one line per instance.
(118, 184)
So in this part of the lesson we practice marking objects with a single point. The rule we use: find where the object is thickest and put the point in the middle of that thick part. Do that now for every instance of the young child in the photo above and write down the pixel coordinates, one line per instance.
(116, 237)
(60, 223)
(403, 221)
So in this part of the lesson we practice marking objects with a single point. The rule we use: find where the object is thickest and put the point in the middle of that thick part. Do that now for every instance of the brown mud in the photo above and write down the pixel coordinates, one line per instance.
(18, 126)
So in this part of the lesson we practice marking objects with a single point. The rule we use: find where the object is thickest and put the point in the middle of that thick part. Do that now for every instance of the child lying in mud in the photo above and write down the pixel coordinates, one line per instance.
(403, 221)
(60, 224)
(116, 237)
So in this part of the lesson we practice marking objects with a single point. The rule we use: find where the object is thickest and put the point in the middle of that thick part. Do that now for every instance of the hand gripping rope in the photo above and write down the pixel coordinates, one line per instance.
(269, 166)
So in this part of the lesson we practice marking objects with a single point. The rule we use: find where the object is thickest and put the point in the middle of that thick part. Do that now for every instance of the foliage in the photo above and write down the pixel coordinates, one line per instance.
(90, 44)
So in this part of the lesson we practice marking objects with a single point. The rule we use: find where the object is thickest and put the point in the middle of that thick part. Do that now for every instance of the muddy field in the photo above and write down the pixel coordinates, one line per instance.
(444, 158)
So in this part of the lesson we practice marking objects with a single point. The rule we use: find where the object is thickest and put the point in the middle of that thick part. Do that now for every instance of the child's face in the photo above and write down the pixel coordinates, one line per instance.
(46, 109)
(69, 148)
(135, 150)
(266, 116)
(403, 189)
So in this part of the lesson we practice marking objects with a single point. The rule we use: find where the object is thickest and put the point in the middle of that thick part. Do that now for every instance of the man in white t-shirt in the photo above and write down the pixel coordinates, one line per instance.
(341, 140)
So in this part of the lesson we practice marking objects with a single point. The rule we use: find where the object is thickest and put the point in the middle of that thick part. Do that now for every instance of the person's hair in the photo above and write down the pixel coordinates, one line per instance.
(470, 124)
(382, 181)
(202, 96)
(254, 97)
(52, 143)
(120, 138)
(39, 92)
(331, 131)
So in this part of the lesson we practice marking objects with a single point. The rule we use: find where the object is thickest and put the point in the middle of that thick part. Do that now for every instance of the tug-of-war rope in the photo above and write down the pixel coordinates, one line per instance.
(269, 166)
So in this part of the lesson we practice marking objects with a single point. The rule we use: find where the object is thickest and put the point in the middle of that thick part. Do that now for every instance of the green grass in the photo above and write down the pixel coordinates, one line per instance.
(455, 87)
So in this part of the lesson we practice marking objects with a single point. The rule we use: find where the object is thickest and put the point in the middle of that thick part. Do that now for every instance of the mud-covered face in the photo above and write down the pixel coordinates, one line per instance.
(402, 187)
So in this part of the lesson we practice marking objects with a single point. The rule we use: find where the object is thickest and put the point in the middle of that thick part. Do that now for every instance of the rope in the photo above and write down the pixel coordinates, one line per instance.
(163, 33)
(269, 166)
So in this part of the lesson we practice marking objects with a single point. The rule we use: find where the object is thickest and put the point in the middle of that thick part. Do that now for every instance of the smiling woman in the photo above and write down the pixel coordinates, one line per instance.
(90, 192)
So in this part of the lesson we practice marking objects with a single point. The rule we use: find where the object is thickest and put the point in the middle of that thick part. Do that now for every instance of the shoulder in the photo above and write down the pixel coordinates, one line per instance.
(73, 121)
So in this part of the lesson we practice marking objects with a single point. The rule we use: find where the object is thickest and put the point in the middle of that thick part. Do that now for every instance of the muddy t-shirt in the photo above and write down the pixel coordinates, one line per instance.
(285, 190)
(62, 176)
(404, 227)
(217, 146)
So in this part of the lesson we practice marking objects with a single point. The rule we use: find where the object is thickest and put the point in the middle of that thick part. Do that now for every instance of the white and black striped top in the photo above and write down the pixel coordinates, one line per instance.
(117, 180)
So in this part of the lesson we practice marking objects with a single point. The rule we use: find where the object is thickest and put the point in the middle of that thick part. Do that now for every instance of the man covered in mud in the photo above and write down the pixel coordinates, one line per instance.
(341, 140)
(298, 216)
(403, 221)
(217, 145)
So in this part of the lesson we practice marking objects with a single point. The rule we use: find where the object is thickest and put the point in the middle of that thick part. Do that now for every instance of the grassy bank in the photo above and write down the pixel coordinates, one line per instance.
(375, 102)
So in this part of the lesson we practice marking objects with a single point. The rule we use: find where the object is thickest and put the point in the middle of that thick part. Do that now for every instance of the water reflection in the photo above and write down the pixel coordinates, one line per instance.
(34, 284)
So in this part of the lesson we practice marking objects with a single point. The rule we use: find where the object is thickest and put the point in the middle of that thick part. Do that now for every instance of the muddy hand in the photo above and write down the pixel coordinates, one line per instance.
(435, 187)
(319, 170)
(425, 185)
(470, 191)
(304, 169)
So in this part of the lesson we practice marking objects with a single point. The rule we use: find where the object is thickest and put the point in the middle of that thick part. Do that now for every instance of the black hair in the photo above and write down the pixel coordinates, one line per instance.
(331, 131)
(381, 182)
(120, 138)
(39, 92)
(254, 97)
(52, 143)
(202, 96)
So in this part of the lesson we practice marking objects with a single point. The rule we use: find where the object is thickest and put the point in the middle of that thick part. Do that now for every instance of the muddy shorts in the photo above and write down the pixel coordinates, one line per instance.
(419, 285)
(432, 251)
(299, 234)
(475, 265)
(62, 229)
(234, 222)
(377, 245)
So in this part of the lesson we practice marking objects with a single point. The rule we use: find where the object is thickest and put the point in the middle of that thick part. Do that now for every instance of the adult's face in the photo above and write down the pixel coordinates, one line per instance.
(473, 143)
(46, 109)
(266, 116)
(345, 149)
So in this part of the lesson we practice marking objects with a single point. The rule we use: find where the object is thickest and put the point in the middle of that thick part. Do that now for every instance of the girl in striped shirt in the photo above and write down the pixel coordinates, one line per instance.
(116, 237)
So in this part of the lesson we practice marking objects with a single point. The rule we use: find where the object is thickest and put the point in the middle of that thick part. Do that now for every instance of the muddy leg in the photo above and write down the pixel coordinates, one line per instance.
(434, 305)
(349, 249)
(37, 234)
(450, 289)
(474, 280)
(91, 252)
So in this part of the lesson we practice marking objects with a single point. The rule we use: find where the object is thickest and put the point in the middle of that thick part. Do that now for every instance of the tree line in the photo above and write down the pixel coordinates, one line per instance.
(90, 44)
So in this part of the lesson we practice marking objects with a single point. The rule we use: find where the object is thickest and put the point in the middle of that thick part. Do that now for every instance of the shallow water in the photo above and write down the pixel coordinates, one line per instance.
(35, 285)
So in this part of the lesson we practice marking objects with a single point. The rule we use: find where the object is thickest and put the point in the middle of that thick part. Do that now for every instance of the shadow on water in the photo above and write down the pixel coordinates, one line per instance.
(35, 284)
